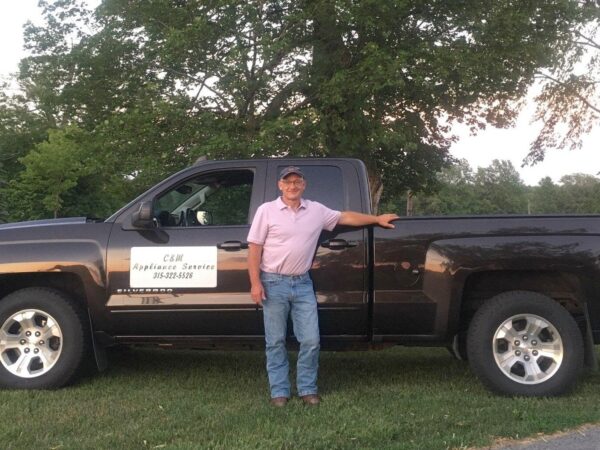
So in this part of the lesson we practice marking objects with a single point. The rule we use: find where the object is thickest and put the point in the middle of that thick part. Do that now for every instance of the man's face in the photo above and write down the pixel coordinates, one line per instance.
(292, 187)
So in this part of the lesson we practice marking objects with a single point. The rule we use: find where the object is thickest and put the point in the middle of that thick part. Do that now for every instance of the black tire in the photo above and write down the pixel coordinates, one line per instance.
(46, 312)
(509, 365)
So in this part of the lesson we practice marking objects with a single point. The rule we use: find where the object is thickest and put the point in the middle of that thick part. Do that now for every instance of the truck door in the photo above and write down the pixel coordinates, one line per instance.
(339, 268)
(188, 276)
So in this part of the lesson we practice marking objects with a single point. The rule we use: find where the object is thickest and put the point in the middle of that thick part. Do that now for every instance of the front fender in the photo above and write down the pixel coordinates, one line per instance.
(81, 257)
(36, 253)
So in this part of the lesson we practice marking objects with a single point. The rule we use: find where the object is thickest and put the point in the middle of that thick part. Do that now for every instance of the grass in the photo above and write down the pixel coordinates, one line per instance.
(401, 398)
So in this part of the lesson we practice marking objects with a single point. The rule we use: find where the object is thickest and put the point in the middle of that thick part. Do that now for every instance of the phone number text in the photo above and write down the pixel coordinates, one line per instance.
(172, 275)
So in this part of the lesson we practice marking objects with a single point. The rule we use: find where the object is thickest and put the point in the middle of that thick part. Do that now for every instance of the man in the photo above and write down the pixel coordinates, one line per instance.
(282, 241)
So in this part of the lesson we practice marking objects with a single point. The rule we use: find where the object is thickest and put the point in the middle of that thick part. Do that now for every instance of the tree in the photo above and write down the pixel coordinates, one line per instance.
(545, 197)
(568, 105)
(453, 58)
(157, 84)
(500, 189)
(575, 194)
(496, 189)
(580, 193)
(20, 130)
(54, 169)
(3, 203)
(454, 194)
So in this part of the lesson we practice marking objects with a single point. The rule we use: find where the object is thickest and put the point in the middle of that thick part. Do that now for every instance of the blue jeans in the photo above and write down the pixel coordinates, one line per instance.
(291, 294)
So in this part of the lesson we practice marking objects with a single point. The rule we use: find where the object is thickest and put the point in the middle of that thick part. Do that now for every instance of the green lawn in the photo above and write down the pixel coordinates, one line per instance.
(398, 398)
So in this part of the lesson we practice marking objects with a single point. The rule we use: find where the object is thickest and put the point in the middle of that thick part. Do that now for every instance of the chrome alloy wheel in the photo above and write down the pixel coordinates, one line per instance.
(30, 343)
(528, 349)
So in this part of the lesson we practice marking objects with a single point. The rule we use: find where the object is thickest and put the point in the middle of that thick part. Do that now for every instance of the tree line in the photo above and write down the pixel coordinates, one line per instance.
(498, 189)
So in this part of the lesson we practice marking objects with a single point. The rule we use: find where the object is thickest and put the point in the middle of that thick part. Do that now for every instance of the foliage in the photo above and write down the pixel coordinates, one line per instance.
(229, 206)
(546, 197)
(51, 169)
(393, 70)
(156, 84)
(56, 171)
(3, 205)
(20, 130)
(498, 189)
(568, 105)
(577, 194)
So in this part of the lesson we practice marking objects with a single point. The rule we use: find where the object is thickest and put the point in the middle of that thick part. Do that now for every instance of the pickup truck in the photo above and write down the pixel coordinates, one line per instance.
(515, 295)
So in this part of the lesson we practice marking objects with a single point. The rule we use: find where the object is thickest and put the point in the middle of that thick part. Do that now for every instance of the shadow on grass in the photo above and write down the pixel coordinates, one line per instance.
(401, 398)
(339, 371)
(397, 369)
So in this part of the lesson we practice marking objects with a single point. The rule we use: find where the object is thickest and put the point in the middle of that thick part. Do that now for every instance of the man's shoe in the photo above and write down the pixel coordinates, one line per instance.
(311, 399)
(279, 402)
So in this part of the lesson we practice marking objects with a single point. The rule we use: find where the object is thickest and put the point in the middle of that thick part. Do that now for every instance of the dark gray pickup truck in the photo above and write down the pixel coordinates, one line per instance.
(515, 295)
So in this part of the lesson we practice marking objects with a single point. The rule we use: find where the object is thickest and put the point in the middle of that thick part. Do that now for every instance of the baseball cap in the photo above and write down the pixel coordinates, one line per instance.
(289, 170)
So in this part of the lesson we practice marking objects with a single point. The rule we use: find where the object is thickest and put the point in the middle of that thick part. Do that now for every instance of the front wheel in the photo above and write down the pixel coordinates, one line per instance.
(42, 339)
(524, 343)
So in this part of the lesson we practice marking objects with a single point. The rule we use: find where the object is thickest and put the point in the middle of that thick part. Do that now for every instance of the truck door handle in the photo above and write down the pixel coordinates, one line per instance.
(232, 246)
(338, 244)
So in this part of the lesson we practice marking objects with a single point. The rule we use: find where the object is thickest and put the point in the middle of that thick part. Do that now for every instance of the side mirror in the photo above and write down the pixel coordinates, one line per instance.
(143, 217)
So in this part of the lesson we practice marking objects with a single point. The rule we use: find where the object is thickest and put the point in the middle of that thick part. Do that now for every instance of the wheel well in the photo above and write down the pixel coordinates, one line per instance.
(69, 283)
(565, 288)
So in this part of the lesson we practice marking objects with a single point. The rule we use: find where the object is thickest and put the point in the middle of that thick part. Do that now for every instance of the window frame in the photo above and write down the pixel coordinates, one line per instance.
(198, 175)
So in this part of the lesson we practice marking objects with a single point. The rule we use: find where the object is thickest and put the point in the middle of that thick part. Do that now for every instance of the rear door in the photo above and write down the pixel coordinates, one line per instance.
(339, 268)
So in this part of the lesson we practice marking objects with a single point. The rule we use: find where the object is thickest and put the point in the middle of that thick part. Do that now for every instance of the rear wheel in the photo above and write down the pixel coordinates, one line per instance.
(524, 343)
(42, 339)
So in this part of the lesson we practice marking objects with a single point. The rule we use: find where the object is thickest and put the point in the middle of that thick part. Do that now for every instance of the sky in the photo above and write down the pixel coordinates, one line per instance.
(480, 150)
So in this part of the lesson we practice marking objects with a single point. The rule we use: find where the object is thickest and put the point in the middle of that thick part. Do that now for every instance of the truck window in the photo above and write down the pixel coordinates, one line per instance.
(218, 198)
(324, 184)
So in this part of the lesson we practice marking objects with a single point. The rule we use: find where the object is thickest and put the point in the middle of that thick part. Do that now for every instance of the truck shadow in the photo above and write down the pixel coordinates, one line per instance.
(339, 371)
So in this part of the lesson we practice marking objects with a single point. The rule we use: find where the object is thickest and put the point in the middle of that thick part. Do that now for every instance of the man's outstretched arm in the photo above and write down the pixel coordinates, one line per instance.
(355, 219)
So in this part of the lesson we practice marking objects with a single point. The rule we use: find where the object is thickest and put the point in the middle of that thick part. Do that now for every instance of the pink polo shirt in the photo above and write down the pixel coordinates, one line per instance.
(289, 237)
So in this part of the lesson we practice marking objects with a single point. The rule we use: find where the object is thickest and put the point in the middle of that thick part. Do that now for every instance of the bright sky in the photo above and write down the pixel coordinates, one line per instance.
(509, 144)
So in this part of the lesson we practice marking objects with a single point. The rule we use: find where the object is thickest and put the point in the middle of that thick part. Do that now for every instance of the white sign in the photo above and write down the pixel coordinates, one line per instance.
(173, 267)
